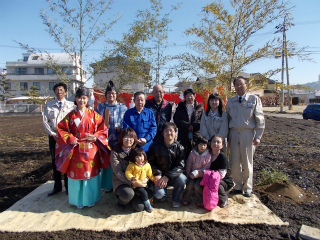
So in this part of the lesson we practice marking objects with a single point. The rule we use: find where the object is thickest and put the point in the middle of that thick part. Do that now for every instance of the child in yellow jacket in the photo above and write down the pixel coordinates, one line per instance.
(139, 170)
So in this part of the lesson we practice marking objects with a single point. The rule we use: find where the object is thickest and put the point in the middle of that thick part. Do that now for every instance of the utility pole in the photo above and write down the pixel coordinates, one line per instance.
(287, 71)
(284, 57)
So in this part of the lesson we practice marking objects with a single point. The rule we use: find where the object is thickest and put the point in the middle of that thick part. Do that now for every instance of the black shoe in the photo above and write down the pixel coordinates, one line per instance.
(223, 204)
(121, 207)
(54, 191)
(235, 192)
(108, 190)
(247, 194)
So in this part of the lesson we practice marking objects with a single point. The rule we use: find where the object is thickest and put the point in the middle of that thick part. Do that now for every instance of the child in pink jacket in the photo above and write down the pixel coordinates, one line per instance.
(210, 181)
(198, 161)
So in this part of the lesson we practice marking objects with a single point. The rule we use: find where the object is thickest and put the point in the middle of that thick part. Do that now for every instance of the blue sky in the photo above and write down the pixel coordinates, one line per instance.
(21, 22)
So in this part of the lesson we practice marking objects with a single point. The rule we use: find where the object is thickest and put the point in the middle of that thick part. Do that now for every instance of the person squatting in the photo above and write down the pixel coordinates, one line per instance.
(137, 153)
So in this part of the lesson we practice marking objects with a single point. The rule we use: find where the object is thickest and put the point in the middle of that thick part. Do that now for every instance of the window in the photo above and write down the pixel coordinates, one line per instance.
(7, 86)
(21, 71)
(39, 71)
(66, 71)
(51, 71)
(25, 59)
(37, 84)
(23, 86)
(35, 57)
(51, 85)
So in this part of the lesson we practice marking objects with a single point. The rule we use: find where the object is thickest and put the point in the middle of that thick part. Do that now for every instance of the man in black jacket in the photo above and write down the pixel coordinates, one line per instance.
(161, 108)
(167, 159)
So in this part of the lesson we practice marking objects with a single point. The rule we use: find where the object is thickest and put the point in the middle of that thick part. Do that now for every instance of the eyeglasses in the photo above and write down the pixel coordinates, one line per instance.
(169, 131)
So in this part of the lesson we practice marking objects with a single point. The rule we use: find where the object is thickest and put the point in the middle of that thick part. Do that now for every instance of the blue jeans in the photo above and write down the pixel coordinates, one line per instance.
(178, 186)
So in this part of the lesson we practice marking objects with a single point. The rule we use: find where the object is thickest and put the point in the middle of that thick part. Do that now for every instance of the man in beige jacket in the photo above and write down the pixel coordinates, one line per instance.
(54, 112)
(246, 126)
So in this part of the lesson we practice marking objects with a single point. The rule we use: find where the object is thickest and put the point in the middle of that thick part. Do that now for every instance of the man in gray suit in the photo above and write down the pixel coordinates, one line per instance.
(246, 126)
(54, 112)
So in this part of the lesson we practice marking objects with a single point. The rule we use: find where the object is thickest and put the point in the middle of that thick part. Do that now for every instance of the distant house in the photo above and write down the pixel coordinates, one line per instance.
(111, 70)
(33, 70)
(270, 89)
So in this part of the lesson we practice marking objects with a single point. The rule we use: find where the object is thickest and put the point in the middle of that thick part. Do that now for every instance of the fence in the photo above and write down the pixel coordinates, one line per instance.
(21, 108)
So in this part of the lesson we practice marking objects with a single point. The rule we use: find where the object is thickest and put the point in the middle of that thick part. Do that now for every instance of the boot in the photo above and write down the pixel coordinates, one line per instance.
(148, 206)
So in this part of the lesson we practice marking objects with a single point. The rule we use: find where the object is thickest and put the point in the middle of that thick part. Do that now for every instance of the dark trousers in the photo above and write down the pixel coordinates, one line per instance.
(193, 188)
(56, 173)
(126, 194)
(222, 192)
(143, 193)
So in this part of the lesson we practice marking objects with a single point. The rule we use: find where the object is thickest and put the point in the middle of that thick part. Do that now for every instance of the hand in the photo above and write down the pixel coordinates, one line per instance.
(162, 183)
(142, 142)
(74, 142)
(256, 141)
(137, 183)
(55, 136)
(91, 138)
(144, 181)
(133, 179)
(156, 180)
(190, 128)
(194, 174)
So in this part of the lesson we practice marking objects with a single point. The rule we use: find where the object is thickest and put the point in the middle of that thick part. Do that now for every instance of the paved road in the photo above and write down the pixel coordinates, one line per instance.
(285, 115)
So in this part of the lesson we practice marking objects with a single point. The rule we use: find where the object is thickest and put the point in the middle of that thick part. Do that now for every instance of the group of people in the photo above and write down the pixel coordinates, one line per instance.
(137, 153)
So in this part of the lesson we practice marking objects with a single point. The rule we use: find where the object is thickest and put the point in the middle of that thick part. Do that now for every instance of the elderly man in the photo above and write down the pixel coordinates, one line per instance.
(161, 108)
(142, 121)
(246, 124)
(54, 112)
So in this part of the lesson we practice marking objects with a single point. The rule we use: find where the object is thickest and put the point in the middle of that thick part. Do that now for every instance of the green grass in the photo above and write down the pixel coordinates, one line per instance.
(270, 176)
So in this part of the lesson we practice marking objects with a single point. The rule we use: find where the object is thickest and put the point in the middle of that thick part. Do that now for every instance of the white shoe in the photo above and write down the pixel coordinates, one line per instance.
(175, 204)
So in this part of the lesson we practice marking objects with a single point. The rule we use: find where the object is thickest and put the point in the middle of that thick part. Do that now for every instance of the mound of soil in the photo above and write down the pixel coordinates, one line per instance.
(289, 145)
(285, 190)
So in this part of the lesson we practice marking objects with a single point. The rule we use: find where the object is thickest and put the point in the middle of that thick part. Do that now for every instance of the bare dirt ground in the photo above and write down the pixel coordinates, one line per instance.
(289, 145)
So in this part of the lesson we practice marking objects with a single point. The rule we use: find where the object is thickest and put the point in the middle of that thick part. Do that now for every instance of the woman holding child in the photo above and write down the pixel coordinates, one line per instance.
(120, 157)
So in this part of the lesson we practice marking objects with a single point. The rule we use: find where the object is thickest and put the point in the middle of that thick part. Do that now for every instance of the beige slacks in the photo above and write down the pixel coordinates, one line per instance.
(241, 151)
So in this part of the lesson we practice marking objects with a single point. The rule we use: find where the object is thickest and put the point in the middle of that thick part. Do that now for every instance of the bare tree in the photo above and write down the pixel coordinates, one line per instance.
(224, 39)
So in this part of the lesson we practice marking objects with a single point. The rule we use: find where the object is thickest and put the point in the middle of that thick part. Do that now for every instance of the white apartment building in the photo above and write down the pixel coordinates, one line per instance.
(112, 72)
(33, 70)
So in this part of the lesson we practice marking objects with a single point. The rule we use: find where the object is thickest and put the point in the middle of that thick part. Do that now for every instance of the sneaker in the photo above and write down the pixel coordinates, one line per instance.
(185, 202)
(175, 204)
(200, 205)
(223, 204)
(148, 208)
(247, 194)
(90, 205)
(163, 199)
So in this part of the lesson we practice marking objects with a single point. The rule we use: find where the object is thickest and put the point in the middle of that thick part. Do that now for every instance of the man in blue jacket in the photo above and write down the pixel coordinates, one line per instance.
(142, 121)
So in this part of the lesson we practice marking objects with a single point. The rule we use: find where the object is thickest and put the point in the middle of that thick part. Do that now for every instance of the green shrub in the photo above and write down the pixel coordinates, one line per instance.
(270, 176)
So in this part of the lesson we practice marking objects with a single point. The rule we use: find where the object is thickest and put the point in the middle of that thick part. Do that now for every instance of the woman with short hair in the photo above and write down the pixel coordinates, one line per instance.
(119, 160)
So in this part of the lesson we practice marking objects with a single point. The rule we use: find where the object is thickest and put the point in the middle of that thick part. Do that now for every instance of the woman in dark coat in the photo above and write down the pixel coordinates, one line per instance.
(187, 118)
